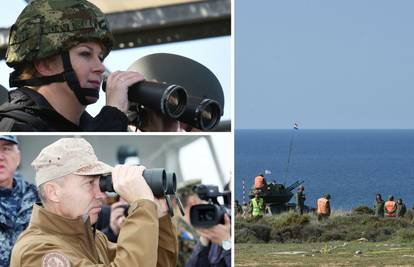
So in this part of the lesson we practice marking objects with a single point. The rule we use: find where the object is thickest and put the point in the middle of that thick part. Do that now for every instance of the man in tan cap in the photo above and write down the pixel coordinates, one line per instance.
(61, 233)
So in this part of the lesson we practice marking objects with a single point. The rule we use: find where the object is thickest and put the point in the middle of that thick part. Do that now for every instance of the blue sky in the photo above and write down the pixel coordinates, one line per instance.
(325, 64)
(214, 53)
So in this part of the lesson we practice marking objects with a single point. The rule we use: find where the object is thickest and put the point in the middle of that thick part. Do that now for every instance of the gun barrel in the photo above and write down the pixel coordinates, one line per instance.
(294, 185)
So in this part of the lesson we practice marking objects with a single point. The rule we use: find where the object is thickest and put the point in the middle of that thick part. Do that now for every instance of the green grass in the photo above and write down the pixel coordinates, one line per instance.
(289, 239)
(341, 226)
(336, 253)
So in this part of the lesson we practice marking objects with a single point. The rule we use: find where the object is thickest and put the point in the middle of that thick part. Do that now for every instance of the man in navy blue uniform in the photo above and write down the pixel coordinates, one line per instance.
(16, 197)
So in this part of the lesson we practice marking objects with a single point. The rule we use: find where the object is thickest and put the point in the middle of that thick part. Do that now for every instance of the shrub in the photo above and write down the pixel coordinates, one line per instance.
(363, 210)
(405, 235)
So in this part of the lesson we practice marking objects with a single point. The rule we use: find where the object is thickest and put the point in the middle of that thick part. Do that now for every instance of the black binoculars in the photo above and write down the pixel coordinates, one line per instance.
(173, 101)
(199, 105)
(162, 183)
(170, 100)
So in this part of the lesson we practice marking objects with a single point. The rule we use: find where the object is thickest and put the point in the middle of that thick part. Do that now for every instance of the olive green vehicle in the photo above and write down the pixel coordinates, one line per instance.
(277, 196)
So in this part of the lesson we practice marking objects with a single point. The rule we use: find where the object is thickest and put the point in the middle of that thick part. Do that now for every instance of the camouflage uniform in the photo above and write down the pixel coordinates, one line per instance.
(15, 211)
(300, 201)
(187, 236)
(379, 208)
(187, 240)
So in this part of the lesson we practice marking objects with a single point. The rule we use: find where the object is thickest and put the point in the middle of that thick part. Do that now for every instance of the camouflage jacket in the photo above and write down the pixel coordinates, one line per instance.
(15, 210)
(187, 240)
(300, 199)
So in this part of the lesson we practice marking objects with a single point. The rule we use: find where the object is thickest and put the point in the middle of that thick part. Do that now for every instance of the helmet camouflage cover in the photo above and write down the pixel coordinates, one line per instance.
(49, 27)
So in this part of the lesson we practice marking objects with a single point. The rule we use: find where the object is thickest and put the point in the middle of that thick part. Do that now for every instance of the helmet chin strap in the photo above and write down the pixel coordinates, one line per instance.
(68, 75)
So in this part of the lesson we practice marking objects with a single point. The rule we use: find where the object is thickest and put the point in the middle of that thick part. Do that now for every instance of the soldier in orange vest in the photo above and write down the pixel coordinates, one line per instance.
(259, 183)
(390, 207)
(324, 207)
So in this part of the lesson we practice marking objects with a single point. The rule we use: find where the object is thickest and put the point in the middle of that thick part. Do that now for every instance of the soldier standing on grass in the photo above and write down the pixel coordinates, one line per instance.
(300, 199)
(401, 209)
(324, 207)
(257, 206)
(379, 206)
(390, 207)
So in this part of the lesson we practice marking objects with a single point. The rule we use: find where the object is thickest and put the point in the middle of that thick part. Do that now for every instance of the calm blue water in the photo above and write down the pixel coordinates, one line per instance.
(351, 165)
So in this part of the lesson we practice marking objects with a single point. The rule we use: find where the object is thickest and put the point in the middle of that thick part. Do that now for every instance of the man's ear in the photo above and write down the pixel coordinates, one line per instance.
(52, 191)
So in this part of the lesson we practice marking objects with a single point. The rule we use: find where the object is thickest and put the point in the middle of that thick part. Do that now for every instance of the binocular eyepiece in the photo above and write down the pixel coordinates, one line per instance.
(170, 100)
(160, 182)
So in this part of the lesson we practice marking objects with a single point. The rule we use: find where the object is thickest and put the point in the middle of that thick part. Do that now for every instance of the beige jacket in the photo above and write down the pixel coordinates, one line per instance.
(52, 240)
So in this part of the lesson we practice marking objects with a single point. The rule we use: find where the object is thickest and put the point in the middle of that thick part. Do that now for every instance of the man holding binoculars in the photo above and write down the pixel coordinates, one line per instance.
(61, 232)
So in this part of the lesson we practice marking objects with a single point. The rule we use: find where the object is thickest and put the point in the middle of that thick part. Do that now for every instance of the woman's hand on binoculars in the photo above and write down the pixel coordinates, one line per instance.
(130, 184)
(117, 88)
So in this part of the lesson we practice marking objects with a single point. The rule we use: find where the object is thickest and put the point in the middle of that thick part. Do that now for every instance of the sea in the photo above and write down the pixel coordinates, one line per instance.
(351, 165)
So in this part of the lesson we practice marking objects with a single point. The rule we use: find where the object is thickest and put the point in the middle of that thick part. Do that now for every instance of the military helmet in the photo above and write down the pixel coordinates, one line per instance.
(49, 27)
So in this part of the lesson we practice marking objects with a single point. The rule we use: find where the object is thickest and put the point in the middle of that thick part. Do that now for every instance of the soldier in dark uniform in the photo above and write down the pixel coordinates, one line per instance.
(401, 208)
(300, 199)
(16, 197)
(379, 206)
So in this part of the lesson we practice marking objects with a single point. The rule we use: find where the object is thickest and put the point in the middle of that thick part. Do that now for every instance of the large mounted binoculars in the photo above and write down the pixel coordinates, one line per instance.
(162, 183)
(186, 90)
(170, 100)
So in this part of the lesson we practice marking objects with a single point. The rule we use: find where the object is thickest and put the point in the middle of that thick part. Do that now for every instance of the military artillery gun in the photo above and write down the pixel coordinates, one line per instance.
(277, 196)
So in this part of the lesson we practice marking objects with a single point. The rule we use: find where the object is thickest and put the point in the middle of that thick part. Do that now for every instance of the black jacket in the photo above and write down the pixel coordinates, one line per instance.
(29, 111)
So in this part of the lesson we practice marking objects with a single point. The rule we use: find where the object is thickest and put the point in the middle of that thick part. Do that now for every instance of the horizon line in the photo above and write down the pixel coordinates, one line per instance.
(325, 129)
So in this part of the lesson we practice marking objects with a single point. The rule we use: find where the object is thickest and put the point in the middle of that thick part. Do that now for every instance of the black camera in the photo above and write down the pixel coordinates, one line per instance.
(211, 214)
(160, 182)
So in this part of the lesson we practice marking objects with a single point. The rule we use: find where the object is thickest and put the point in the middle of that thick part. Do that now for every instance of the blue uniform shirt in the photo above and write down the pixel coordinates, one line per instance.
(15, 211)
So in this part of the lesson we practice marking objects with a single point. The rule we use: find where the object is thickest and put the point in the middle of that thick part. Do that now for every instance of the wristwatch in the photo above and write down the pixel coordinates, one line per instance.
(226, 244)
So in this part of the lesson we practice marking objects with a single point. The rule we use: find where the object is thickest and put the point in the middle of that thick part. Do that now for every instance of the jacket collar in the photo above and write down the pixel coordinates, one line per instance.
(53, 223)
(37, 102)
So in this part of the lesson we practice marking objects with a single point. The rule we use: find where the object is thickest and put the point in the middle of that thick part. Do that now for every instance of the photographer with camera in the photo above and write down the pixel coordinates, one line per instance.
(61, 231)
(213, 225)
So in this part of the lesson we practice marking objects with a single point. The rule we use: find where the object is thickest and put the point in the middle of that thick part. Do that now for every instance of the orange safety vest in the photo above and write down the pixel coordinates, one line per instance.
(258, 182)
(322, 206)
(390, 208)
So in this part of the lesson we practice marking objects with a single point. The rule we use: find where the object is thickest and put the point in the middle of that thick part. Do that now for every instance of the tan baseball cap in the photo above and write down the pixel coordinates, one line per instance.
(67, 156)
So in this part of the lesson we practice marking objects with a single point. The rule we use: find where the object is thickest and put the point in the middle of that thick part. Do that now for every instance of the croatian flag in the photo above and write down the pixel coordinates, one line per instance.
(296, 126)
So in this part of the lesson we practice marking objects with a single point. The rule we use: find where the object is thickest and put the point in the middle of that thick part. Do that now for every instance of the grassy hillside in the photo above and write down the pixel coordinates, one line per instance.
(341, 226)
(354, 238)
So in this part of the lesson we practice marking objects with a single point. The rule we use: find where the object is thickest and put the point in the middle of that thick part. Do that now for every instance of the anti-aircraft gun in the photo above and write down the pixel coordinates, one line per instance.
(277, 196)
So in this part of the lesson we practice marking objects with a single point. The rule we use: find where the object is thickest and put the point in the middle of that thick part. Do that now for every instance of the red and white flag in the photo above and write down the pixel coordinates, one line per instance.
(296, 126)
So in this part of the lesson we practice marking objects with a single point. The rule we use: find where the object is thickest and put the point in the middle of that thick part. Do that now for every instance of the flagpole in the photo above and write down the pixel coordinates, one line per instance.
(295, 127)
(244, 191)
